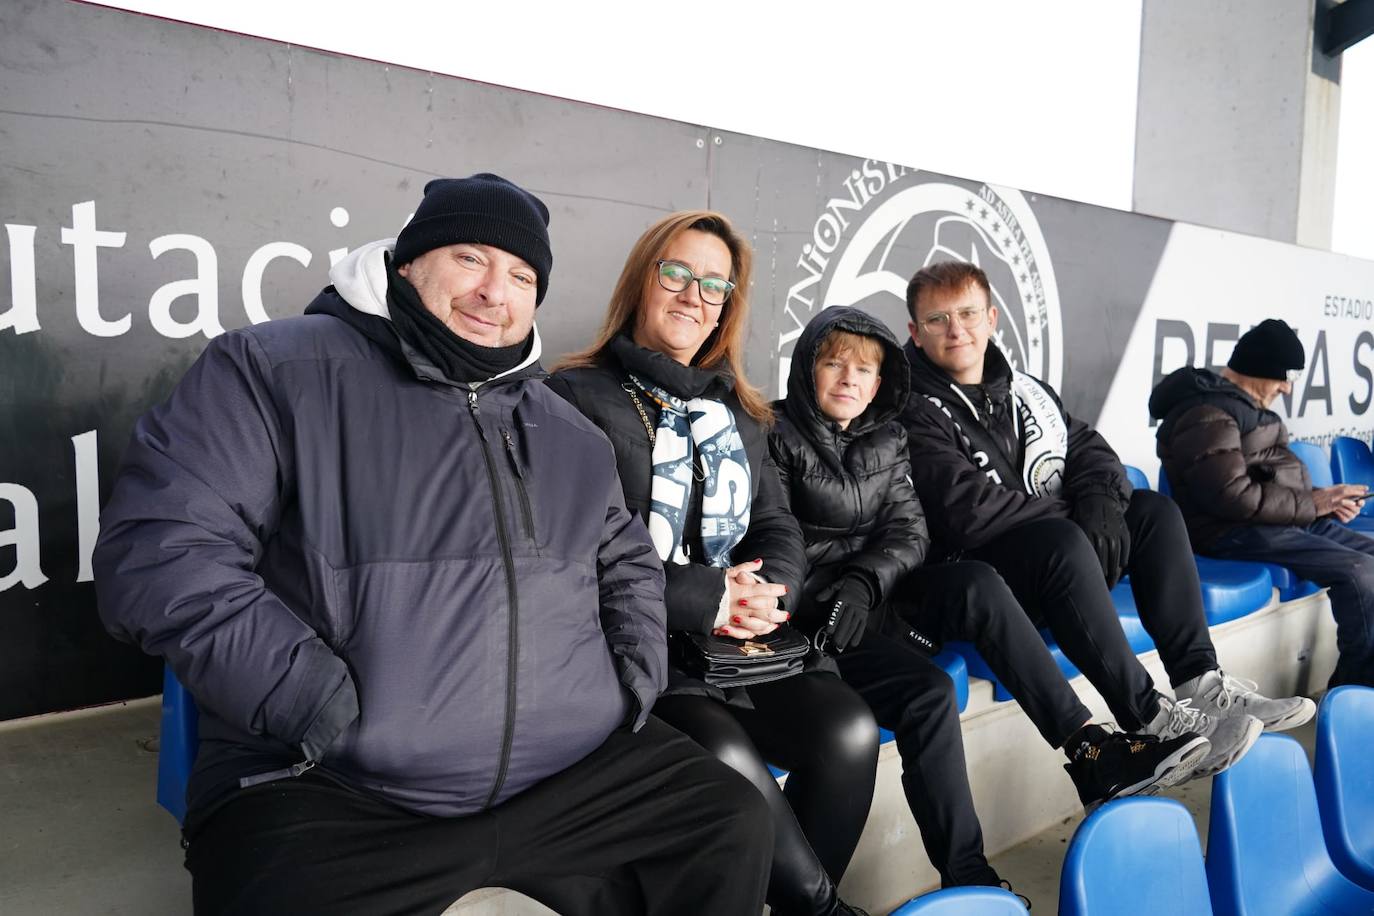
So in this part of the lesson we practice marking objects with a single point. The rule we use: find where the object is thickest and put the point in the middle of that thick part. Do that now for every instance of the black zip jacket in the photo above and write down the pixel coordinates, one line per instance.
(966, 456)
(850, 489)
(1227, 458)
(694, 590)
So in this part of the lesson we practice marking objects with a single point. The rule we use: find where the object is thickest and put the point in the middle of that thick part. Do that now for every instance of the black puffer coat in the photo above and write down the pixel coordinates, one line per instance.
(850, 489)
(1227, 458)
(966, 456)
(694, 590)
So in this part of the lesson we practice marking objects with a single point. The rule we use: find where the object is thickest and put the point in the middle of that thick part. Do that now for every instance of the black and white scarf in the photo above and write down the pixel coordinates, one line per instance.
(701, 427)
(1044, 436)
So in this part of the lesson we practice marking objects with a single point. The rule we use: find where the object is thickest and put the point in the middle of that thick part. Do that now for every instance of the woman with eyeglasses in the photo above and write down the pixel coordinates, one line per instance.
(664, 380)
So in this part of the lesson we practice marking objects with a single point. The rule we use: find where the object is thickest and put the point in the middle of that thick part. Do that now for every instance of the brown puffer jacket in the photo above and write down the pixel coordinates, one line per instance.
(1227, 459)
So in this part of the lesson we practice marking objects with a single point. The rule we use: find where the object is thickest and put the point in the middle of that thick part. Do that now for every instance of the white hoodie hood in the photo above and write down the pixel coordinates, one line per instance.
(360, 279)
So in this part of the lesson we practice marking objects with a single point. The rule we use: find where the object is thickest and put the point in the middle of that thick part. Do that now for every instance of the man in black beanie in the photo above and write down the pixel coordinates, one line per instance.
(1246, 496)
(397, 574)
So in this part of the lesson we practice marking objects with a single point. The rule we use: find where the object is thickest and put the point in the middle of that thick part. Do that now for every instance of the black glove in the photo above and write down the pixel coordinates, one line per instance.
(846, 603)
(1104, 522)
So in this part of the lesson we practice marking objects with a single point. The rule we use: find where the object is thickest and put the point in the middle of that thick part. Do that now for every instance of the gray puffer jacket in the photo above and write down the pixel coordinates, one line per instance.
(432, 590)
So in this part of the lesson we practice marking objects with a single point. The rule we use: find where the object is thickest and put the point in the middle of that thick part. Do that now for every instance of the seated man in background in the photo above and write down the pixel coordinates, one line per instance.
(1008, 477)
(424, 662)
(1245, 495)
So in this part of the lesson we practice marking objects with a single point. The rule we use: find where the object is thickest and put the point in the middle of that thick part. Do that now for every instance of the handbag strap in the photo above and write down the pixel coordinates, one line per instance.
(629, 389)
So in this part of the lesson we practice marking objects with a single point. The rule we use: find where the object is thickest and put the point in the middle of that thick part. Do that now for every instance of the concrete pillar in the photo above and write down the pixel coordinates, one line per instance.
(1237, 118)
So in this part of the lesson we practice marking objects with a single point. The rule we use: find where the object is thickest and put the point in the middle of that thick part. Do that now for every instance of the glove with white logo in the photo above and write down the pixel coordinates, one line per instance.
(846, 602)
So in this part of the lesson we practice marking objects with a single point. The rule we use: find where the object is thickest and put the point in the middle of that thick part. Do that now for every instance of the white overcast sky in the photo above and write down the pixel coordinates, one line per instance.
(1039, 96)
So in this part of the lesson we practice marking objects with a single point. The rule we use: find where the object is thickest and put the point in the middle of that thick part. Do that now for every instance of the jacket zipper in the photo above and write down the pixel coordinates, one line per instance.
(513, 642)
(520, 485)
(291, 772)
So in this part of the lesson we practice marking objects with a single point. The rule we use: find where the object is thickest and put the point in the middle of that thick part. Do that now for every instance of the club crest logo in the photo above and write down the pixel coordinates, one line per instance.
(886, 222)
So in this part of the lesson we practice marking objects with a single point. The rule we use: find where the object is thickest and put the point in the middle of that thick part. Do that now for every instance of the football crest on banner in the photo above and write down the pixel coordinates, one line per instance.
(884, 222)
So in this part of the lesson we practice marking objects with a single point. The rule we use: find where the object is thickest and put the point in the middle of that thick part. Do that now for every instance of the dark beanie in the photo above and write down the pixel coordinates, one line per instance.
(1268, 350)
(485, 209)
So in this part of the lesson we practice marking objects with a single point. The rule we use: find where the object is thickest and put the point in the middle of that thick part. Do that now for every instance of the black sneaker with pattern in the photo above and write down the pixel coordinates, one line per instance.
(1106, 765)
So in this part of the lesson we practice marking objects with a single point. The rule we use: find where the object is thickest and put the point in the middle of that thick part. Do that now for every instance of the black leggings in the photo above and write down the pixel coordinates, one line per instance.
(821, 732)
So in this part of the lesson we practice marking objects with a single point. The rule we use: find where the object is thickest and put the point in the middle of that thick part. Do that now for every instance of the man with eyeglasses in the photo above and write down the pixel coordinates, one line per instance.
(1009, 477)
(1245, 495)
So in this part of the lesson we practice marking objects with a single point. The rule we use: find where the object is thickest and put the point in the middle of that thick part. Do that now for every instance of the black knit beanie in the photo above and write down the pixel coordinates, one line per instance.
(485, 209)
(1268, 350)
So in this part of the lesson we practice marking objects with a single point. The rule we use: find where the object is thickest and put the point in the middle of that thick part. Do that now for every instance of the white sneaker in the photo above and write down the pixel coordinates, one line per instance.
(1231, 736)
(1218, 694)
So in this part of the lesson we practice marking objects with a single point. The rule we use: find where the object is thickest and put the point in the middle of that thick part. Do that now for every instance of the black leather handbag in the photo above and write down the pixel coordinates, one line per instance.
(723, 661)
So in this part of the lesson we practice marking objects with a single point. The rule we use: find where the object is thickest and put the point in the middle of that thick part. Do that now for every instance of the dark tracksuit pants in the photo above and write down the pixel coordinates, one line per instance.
(1332, 556)
(911, 696)
(817, 729)
(1055, 575)
(647, 823)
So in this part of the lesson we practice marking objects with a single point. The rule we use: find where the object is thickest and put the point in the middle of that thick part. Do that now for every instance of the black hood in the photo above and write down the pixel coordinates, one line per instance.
(801, 407)
(1187, 384)
(1188, 387)
(374, 327)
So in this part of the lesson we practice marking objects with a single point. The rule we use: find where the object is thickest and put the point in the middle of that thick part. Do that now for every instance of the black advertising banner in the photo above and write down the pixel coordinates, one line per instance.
(162, 183)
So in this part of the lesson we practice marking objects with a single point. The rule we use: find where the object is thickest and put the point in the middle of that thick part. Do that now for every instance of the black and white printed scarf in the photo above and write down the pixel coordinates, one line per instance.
(701, 427)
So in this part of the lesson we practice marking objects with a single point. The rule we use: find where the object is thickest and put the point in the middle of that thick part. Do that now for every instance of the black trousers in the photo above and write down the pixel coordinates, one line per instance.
(1332, 556)
(913, 698)
(646, 823)
(970, 601)
(1055, 575)
(815, 727)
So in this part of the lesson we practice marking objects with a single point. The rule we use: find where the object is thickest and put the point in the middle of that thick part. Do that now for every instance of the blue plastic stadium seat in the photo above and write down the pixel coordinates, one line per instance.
(1322, 472)
(1318, 467)
(1230, 588)
(1351, 462)
(1135, 857)
(957, 669)
(1265, 849)
(963, 901)
(1289, 585)
(1345, 780)
(176, 751)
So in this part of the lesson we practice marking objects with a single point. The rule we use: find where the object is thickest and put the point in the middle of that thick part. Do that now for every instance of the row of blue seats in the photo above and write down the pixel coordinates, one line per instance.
(1277, 844)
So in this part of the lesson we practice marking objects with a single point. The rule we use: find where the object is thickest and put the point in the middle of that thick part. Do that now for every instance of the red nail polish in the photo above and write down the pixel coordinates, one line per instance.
(786, 616)
(786, 590)
(744, 602)
(737, 620)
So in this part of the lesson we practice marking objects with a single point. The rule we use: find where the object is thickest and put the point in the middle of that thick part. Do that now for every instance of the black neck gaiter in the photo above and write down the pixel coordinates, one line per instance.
(458, 359)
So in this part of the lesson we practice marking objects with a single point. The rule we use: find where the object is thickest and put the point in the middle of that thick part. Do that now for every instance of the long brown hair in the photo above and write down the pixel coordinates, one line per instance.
(726, 343)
